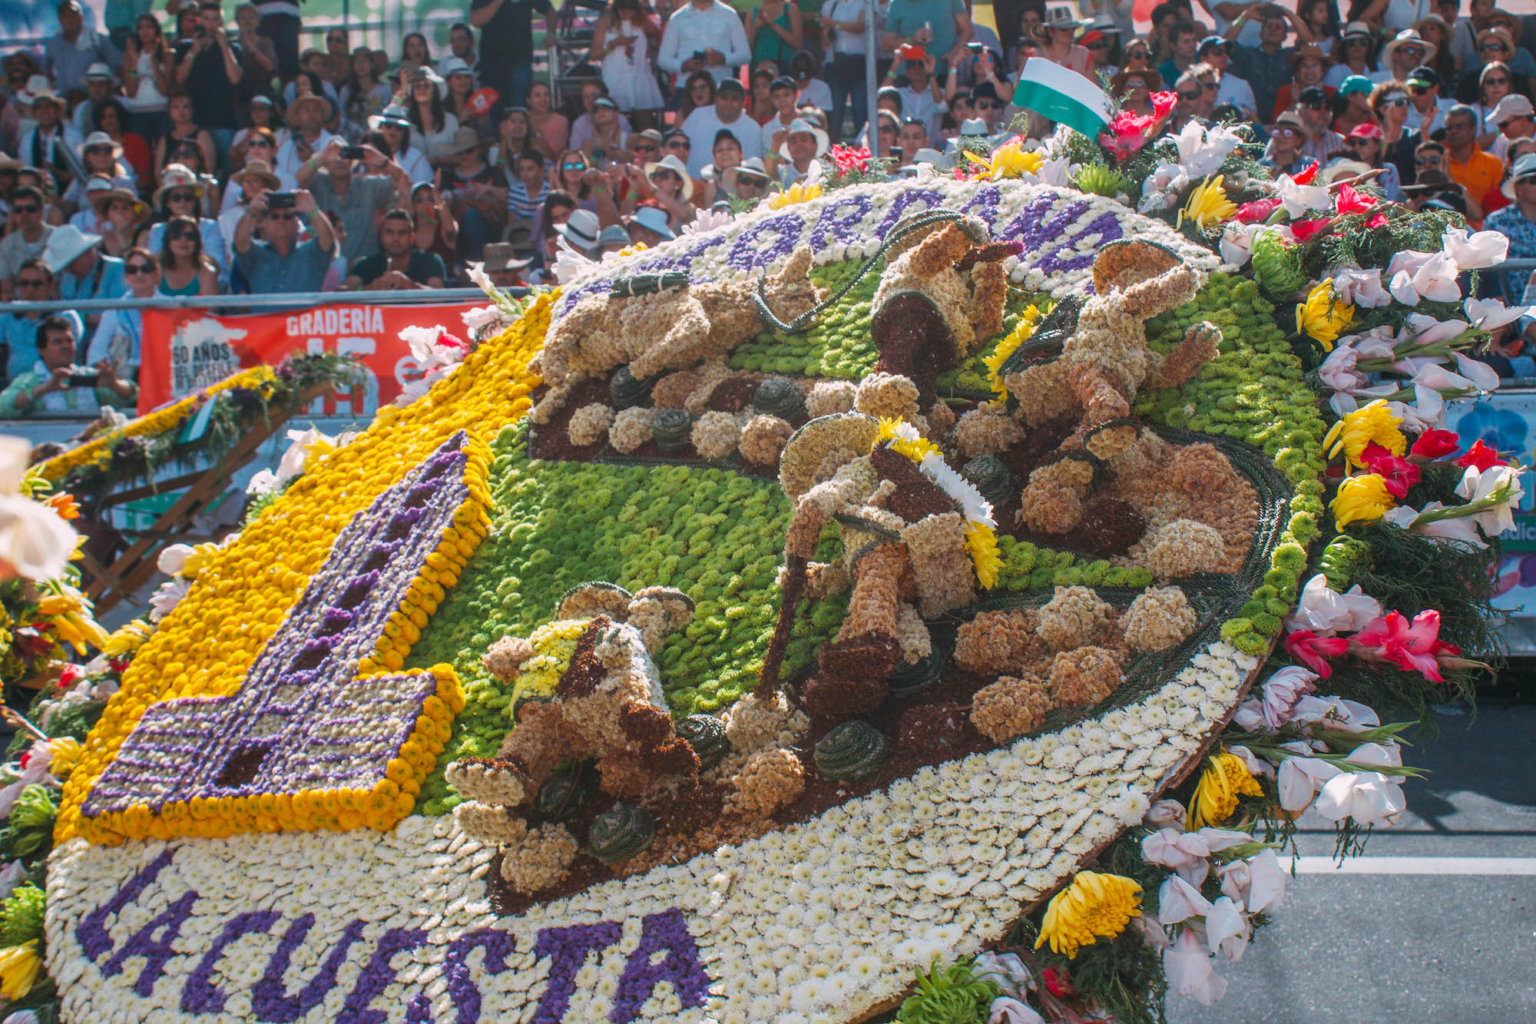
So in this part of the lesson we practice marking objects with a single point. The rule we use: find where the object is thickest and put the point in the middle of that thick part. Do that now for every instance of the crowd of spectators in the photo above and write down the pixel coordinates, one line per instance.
(173, 153)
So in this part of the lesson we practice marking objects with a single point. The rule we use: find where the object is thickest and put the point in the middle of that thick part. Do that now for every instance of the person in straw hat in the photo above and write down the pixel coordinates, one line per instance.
(113, 212)
(1406, 51)
(1308, 66)
(44, 144)
(182, 193)
(307, 116)
(672, 188)
(245, 184)
(749, 181)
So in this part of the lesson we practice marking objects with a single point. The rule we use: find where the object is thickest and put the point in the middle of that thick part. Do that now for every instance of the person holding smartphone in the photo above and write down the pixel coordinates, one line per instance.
(55, 385)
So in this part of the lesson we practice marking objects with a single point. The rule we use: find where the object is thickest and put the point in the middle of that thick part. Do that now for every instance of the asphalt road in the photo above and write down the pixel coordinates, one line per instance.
(1435, 923)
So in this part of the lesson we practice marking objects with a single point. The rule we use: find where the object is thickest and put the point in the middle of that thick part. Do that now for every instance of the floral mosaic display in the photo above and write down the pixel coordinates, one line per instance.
(743, 649)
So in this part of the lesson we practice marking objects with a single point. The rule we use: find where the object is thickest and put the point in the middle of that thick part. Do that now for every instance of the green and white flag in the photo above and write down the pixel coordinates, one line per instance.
(1063, 95)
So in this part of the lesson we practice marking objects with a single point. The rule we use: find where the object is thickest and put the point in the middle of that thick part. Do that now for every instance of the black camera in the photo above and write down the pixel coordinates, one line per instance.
(280, 200)
(84, 377)
(352, 152)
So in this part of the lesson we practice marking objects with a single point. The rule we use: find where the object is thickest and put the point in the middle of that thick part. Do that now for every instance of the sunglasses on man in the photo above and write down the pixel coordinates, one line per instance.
(27, 208)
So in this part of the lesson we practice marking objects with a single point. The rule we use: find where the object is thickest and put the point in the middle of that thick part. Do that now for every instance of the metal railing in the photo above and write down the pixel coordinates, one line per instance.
(293, 300)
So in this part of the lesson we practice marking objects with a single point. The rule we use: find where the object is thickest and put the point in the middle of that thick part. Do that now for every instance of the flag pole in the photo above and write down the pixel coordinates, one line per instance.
(871, 126)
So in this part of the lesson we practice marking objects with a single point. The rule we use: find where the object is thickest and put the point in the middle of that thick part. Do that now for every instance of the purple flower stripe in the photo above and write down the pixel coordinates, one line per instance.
(91, 932)
(665, 931)
(1066, 257)
(922, 198)
(839, 222)
(377, 976)
(200, 994)
(498, 945)
(153, 943)
(568, 948)
(270, 1000)
(782, 234)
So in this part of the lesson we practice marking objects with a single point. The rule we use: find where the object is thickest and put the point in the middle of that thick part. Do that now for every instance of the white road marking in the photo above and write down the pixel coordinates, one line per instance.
(1416, 866)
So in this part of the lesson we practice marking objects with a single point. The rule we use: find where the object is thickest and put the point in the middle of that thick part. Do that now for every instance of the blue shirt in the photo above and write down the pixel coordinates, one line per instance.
(267, 272)
(19, 334)
(129, 323)
(1522, 246)
(109, 284)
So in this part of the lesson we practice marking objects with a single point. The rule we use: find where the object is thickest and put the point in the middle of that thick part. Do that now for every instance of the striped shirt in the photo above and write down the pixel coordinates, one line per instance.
(521, 204)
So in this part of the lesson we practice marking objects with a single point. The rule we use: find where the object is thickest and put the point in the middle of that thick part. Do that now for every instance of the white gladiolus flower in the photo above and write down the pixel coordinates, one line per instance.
(35, 543)
(1325, 611)
(1187, 966)
(1476, 251)
(1178, 900)
(1368, 797)
(1226, 929)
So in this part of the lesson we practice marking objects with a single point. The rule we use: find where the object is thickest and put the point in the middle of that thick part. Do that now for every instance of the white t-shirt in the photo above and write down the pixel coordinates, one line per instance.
(924, 107)
(701, 127)
(815, 94)
(845, 10)
(773, 126)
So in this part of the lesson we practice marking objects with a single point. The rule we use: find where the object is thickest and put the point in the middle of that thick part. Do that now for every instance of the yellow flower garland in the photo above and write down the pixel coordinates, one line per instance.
(98, 449)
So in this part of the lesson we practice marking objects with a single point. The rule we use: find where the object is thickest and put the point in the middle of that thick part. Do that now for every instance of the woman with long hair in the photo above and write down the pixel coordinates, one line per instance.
(182, 127)
(513, 135)
(1322, 17)
(1389, 102)
(362, 95)
(624, 42)
(147, 78)
(184, 268)
(113, 118)
(568, 176)
(414, 53)
(1494, 82)
(555, 211)
(551, 129)
(698, 91)
(432, 127)
(760, 106)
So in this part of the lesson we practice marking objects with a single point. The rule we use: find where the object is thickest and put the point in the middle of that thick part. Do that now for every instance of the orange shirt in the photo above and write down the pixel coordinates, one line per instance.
(1479, 175)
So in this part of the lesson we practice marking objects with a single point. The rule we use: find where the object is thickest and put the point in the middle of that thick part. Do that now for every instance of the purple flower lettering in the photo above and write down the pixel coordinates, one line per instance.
(1066, 258)
(783, 233)
(91, 932)
(984, 203)
(665, 931)
(157, 952)
(377, 976)
(568, 948)
(200, 994)
(270, 1000)
(839, 221)
(927, 197)
(498, 945)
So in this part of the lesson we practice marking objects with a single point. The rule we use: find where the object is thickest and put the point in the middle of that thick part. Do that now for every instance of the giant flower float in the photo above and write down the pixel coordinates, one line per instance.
(945, 592)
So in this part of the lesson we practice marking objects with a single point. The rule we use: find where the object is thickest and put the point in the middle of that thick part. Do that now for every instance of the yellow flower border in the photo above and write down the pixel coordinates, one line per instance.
(207, 644)
(98, 449)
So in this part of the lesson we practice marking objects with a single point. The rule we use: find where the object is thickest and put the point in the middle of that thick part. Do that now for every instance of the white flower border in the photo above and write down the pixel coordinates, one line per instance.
(1013, 198)
(819, 922)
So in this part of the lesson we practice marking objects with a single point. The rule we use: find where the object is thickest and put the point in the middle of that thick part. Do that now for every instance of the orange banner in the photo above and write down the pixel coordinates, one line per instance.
(185, 349)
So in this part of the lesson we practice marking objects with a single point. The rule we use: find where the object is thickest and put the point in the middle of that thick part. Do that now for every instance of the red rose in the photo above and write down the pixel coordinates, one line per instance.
(1435, 444)
(1479, 455)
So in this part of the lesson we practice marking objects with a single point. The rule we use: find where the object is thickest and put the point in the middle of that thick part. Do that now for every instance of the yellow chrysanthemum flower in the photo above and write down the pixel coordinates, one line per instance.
(981, 545)
(1208, 205)
(1357, 430)
(66, 754)
(128, 638)
(797, 193)
(905, 440)
(1323, 316)
(19, 968)
(1361, 499)
(1007, 347)
(1008, 161)
(69, 613)
(1093, 907)
(1225, 779)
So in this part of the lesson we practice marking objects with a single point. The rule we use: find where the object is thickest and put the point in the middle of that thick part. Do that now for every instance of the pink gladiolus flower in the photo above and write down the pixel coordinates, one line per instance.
(1312, 650)
(1398, 473)
(1163, 103)
(1256, 211)
(1410, 647)
(1376, 221)
(1305, 229)
(1351, 201)
(1435, 444)
(850, 158)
